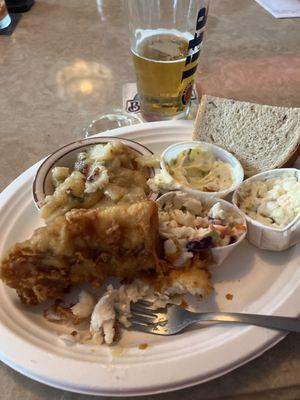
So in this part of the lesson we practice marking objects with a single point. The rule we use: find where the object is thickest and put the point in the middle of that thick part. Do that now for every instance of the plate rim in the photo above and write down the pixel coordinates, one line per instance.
(271, 338)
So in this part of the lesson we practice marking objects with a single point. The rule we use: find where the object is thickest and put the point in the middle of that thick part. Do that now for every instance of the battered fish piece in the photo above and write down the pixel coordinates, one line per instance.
(84, 246)
(193, 280)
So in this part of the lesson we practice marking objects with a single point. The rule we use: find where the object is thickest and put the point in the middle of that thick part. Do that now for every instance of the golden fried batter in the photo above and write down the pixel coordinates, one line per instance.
(84, 246)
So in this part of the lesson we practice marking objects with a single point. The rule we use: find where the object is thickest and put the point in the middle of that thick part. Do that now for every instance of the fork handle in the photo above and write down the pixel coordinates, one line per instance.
(267, 321)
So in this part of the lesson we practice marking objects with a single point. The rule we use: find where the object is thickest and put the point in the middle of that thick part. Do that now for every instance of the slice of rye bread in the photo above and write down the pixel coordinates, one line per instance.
(261, 137)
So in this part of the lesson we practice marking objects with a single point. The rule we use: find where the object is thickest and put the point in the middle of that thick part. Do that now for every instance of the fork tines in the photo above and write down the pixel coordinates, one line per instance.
(144, 318)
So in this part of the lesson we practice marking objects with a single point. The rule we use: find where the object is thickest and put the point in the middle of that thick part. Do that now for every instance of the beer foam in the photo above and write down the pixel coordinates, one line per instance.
(165, 48)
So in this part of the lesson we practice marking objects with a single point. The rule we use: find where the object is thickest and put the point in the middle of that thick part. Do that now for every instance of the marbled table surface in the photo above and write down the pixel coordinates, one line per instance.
(66, 63)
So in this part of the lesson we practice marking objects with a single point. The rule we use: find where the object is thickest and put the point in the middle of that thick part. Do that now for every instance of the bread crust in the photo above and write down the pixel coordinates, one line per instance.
(239, 116)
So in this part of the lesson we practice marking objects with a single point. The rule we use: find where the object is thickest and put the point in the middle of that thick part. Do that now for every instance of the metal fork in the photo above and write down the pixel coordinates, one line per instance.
(173, 319)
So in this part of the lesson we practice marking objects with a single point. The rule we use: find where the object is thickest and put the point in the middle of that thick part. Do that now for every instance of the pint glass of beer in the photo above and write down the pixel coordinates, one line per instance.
(166, 40)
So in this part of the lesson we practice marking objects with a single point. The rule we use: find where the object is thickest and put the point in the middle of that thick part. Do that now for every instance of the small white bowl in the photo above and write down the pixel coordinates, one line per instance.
(66, 156)
(172, 152)
(219, 254)
(263, 236)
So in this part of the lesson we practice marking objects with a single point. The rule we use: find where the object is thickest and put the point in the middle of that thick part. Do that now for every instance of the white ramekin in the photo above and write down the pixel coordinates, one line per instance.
(172, 152)
(219, 254)
(263, 236)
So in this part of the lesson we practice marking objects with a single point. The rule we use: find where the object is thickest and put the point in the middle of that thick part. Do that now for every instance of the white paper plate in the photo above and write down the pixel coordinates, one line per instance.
(260, 281)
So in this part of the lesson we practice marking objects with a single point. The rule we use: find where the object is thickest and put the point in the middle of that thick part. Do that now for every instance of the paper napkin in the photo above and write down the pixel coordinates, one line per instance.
(281, 8)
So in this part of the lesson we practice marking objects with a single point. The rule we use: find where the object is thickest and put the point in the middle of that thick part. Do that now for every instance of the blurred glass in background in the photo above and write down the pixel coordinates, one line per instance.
(4, 16)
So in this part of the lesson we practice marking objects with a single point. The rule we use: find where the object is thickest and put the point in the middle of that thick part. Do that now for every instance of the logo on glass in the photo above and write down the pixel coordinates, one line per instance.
(194, 44)
(133, 105)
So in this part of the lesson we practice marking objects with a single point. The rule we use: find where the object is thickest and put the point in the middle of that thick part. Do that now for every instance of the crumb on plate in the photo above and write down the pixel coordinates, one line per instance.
(143, 346)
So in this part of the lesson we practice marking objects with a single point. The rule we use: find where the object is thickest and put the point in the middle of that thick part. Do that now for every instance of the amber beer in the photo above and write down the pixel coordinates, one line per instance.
(159, 62)
(165, 63)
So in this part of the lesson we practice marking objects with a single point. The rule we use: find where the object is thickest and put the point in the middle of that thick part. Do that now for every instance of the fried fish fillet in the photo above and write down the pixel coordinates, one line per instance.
(84, 246)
